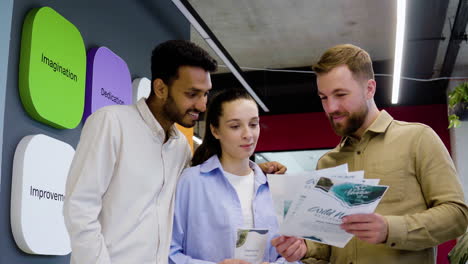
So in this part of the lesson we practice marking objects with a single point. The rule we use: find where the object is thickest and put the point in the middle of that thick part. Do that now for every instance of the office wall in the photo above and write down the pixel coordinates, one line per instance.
(313, 131)
(459, 139)
(129, 28)
(6, 10)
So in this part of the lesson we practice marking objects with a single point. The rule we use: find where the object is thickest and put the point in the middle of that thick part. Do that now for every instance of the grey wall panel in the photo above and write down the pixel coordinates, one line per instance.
(129, 28)
(6, 11)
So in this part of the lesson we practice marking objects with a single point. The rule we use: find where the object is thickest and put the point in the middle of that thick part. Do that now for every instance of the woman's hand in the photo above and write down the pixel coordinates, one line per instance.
(291, 248)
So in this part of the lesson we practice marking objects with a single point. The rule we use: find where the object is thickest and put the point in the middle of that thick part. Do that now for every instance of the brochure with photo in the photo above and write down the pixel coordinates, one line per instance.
(317, 212)
(251, 244)
(285, 187)
(288, 187)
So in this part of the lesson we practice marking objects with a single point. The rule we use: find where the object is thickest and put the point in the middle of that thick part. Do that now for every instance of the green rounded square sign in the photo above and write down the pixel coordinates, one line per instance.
(52, 71)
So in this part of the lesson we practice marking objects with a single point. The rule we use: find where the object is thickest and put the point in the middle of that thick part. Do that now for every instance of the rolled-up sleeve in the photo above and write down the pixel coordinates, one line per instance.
(447, 216)
(316, 253)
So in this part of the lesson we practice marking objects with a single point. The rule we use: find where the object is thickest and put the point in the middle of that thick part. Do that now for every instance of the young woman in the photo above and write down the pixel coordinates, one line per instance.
(224, 191)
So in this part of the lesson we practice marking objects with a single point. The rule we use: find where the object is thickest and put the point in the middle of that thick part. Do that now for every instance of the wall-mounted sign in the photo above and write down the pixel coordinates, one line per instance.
(108, 80)
(40, 169)
(52, 69)
(141, 88)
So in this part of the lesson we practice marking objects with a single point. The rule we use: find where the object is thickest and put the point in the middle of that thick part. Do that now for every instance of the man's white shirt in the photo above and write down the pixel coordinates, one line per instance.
(121, 185)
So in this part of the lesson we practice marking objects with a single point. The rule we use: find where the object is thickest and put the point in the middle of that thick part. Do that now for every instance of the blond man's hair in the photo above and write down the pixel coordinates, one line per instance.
(358, 61)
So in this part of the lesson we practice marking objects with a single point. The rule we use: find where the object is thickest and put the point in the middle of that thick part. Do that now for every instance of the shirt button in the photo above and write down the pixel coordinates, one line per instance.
(358, 152)
(392, 245)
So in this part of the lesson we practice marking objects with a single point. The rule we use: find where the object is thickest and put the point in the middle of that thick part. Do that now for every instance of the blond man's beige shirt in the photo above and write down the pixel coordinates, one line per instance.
(424, 205)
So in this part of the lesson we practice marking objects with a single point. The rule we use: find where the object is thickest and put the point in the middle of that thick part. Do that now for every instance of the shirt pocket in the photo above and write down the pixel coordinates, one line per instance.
(391, 173)
(214, 218)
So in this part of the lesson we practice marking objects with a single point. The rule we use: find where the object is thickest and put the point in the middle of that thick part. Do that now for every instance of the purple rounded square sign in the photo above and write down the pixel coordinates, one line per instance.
(108, 80)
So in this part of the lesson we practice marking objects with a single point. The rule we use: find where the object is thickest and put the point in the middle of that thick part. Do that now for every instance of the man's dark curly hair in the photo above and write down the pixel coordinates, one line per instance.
(168, 56)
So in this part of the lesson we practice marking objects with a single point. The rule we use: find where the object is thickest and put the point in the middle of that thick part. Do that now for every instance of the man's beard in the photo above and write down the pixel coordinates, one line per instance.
(352, 123)
(172, 113)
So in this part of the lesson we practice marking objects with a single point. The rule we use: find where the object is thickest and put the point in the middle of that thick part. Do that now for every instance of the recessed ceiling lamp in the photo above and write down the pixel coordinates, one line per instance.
(400, 35)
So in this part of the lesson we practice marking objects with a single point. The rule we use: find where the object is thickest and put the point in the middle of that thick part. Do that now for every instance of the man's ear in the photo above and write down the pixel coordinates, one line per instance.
(370, 90)
(214, 131)
(160, 89)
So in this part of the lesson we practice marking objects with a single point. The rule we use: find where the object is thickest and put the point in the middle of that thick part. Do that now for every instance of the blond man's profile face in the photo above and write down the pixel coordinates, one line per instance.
(343, 99)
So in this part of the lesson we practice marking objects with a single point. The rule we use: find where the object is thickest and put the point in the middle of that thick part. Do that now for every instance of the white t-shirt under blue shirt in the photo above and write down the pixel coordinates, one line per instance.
(244, 186)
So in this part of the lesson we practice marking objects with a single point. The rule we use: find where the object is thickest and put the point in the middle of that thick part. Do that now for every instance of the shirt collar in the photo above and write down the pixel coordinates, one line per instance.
(379, 125)
(152, 123)
(382, 122)
(214, 163)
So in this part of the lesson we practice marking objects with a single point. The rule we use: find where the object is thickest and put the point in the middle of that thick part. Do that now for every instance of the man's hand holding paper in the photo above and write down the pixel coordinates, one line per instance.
(372, 228)
(328, 210)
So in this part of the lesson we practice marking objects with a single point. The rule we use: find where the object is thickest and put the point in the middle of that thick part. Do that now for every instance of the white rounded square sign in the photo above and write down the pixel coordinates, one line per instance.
(141, 88)
(40, 169)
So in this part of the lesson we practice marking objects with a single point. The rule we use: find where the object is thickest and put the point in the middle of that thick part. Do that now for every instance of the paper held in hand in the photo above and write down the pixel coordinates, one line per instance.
(251, 244)
(312, 204)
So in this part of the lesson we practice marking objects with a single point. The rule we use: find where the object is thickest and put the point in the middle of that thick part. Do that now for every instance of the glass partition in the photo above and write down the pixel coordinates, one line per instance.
(295, 160)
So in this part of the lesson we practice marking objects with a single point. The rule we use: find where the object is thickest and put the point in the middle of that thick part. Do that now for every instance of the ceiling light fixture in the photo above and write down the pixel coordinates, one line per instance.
(400, 34)
(200, 26)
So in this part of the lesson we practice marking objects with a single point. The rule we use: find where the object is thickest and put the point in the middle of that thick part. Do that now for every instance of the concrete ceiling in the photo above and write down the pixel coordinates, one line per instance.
(283, 34)
(293, 33)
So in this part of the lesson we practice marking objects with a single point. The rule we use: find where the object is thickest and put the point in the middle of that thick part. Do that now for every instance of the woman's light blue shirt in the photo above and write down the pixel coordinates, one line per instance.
(208, 213)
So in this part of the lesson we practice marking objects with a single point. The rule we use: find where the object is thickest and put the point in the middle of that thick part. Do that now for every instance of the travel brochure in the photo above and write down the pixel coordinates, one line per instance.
(250, 244)
(312, 204)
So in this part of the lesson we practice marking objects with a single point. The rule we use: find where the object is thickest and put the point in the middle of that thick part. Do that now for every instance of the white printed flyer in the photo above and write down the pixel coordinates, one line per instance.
(316, 213)
(285, 187)
(251, 244)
